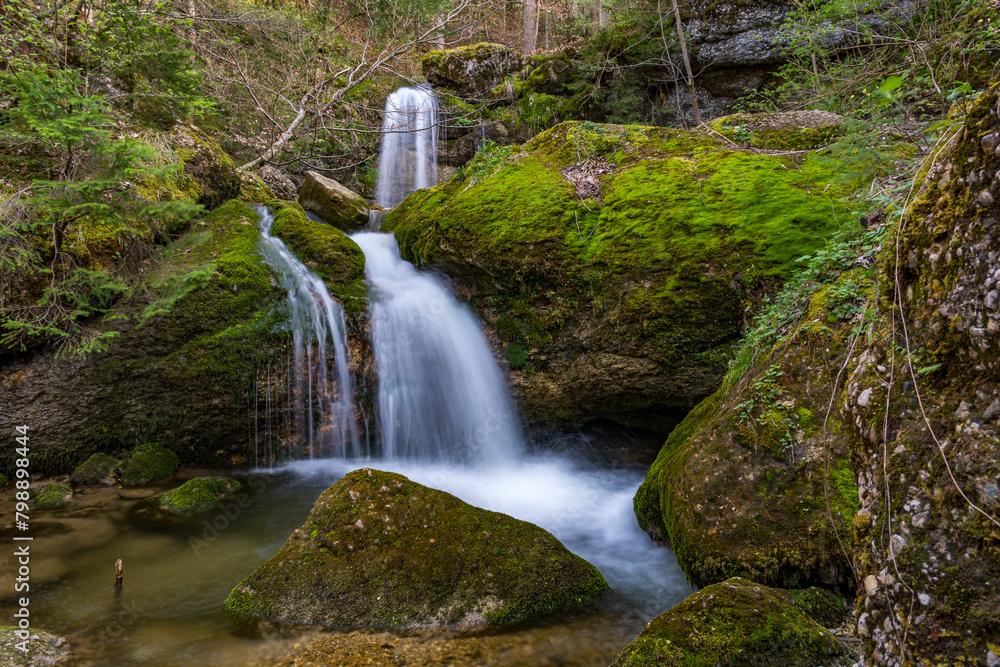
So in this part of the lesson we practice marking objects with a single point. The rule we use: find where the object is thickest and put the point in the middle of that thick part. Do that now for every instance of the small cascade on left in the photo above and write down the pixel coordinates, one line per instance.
(322, 386)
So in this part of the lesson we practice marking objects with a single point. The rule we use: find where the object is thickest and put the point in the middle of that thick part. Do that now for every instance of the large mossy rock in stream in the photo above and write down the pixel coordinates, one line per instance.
(192, 340)
(736, 622)
(198, 495)
(613, 265)
(342, 208)
(757, 480)
(380, 550)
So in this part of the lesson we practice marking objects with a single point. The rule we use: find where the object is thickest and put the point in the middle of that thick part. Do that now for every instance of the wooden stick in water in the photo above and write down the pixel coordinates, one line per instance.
(118, 573)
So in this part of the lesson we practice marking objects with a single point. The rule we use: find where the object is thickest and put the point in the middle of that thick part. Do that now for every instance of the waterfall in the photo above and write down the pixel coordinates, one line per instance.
(441, 396)
(323, 389)
(408, 154)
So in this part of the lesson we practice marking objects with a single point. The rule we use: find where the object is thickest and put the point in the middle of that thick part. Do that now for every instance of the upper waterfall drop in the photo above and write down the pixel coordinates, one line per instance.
(408, 154)
(323, 387)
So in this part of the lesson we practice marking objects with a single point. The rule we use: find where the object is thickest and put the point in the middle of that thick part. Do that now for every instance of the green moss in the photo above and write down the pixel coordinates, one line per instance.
(148, 463)
(682, 221)
(380, 550)
(3, 481)
(786, 131)
(53, 495)
(517, 355)
(94, 470)
(824, 607)
(198, 494)
(735, 622)
(326, 250)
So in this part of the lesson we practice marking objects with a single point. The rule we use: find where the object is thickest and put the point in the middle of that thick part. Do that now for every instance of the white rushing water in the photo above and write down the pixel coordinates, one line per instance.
(323, 386)
(408, 154)
(441, 396)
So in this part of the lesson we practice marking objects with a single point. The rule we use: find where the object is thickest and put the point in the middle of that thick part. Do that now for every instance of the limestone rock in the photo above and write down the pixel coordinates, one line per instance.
(278, 181)
(380, 550)
(342, 208)
(733, 622)
(211, 167)
(619, 307)
(470, 70)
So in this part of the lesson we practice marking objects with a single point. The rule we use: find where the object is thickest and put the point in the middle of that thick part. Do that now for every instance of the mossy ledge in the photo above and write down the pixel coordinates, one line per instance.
(379, 550)
(615, 264)
(735, 622)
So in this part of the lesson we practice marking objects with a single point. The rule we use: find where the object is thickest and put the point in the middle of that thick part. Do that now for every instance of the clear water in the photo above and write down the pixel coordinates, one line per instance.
(178, 572)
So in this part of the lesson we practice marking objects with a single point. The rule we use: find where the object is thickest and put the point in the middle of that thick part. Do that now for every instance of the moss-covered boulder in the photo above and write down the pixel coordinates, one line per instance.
(757, 480)
(380, 550)
(470, 70)
(98, 469)
(43, 649)
(342, 208)
(53, 495)
(198, 494)
(784, 130)
(191, 339)
(213, 171)
(148, 463)
(613, 265)
(327, 251)
(736, 622)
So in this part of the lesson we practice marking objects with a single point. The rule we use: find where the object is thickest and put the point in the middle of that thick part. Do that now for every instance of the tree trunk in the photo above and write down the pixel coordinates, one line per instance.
(530, 26)
(687, 63)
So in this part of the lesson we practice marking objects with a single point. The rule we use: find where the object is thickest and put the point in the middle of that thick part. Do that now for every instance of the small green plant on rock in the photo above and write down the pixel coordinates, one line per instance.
(767, 419)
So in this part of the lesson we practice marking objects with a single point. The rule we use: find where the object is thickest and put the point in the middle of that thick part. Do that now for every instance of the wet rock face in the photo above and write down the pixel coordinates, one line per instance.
(379, 550)
(736, 622)
(342, 208)
(470, 71)
(926, 426)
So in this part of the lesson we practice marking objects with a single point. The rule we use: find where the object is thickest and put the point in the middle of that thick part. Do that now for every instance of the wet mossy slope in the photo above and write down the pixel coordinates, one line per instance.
(192, 338)
(617, 286)
(380, 550)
